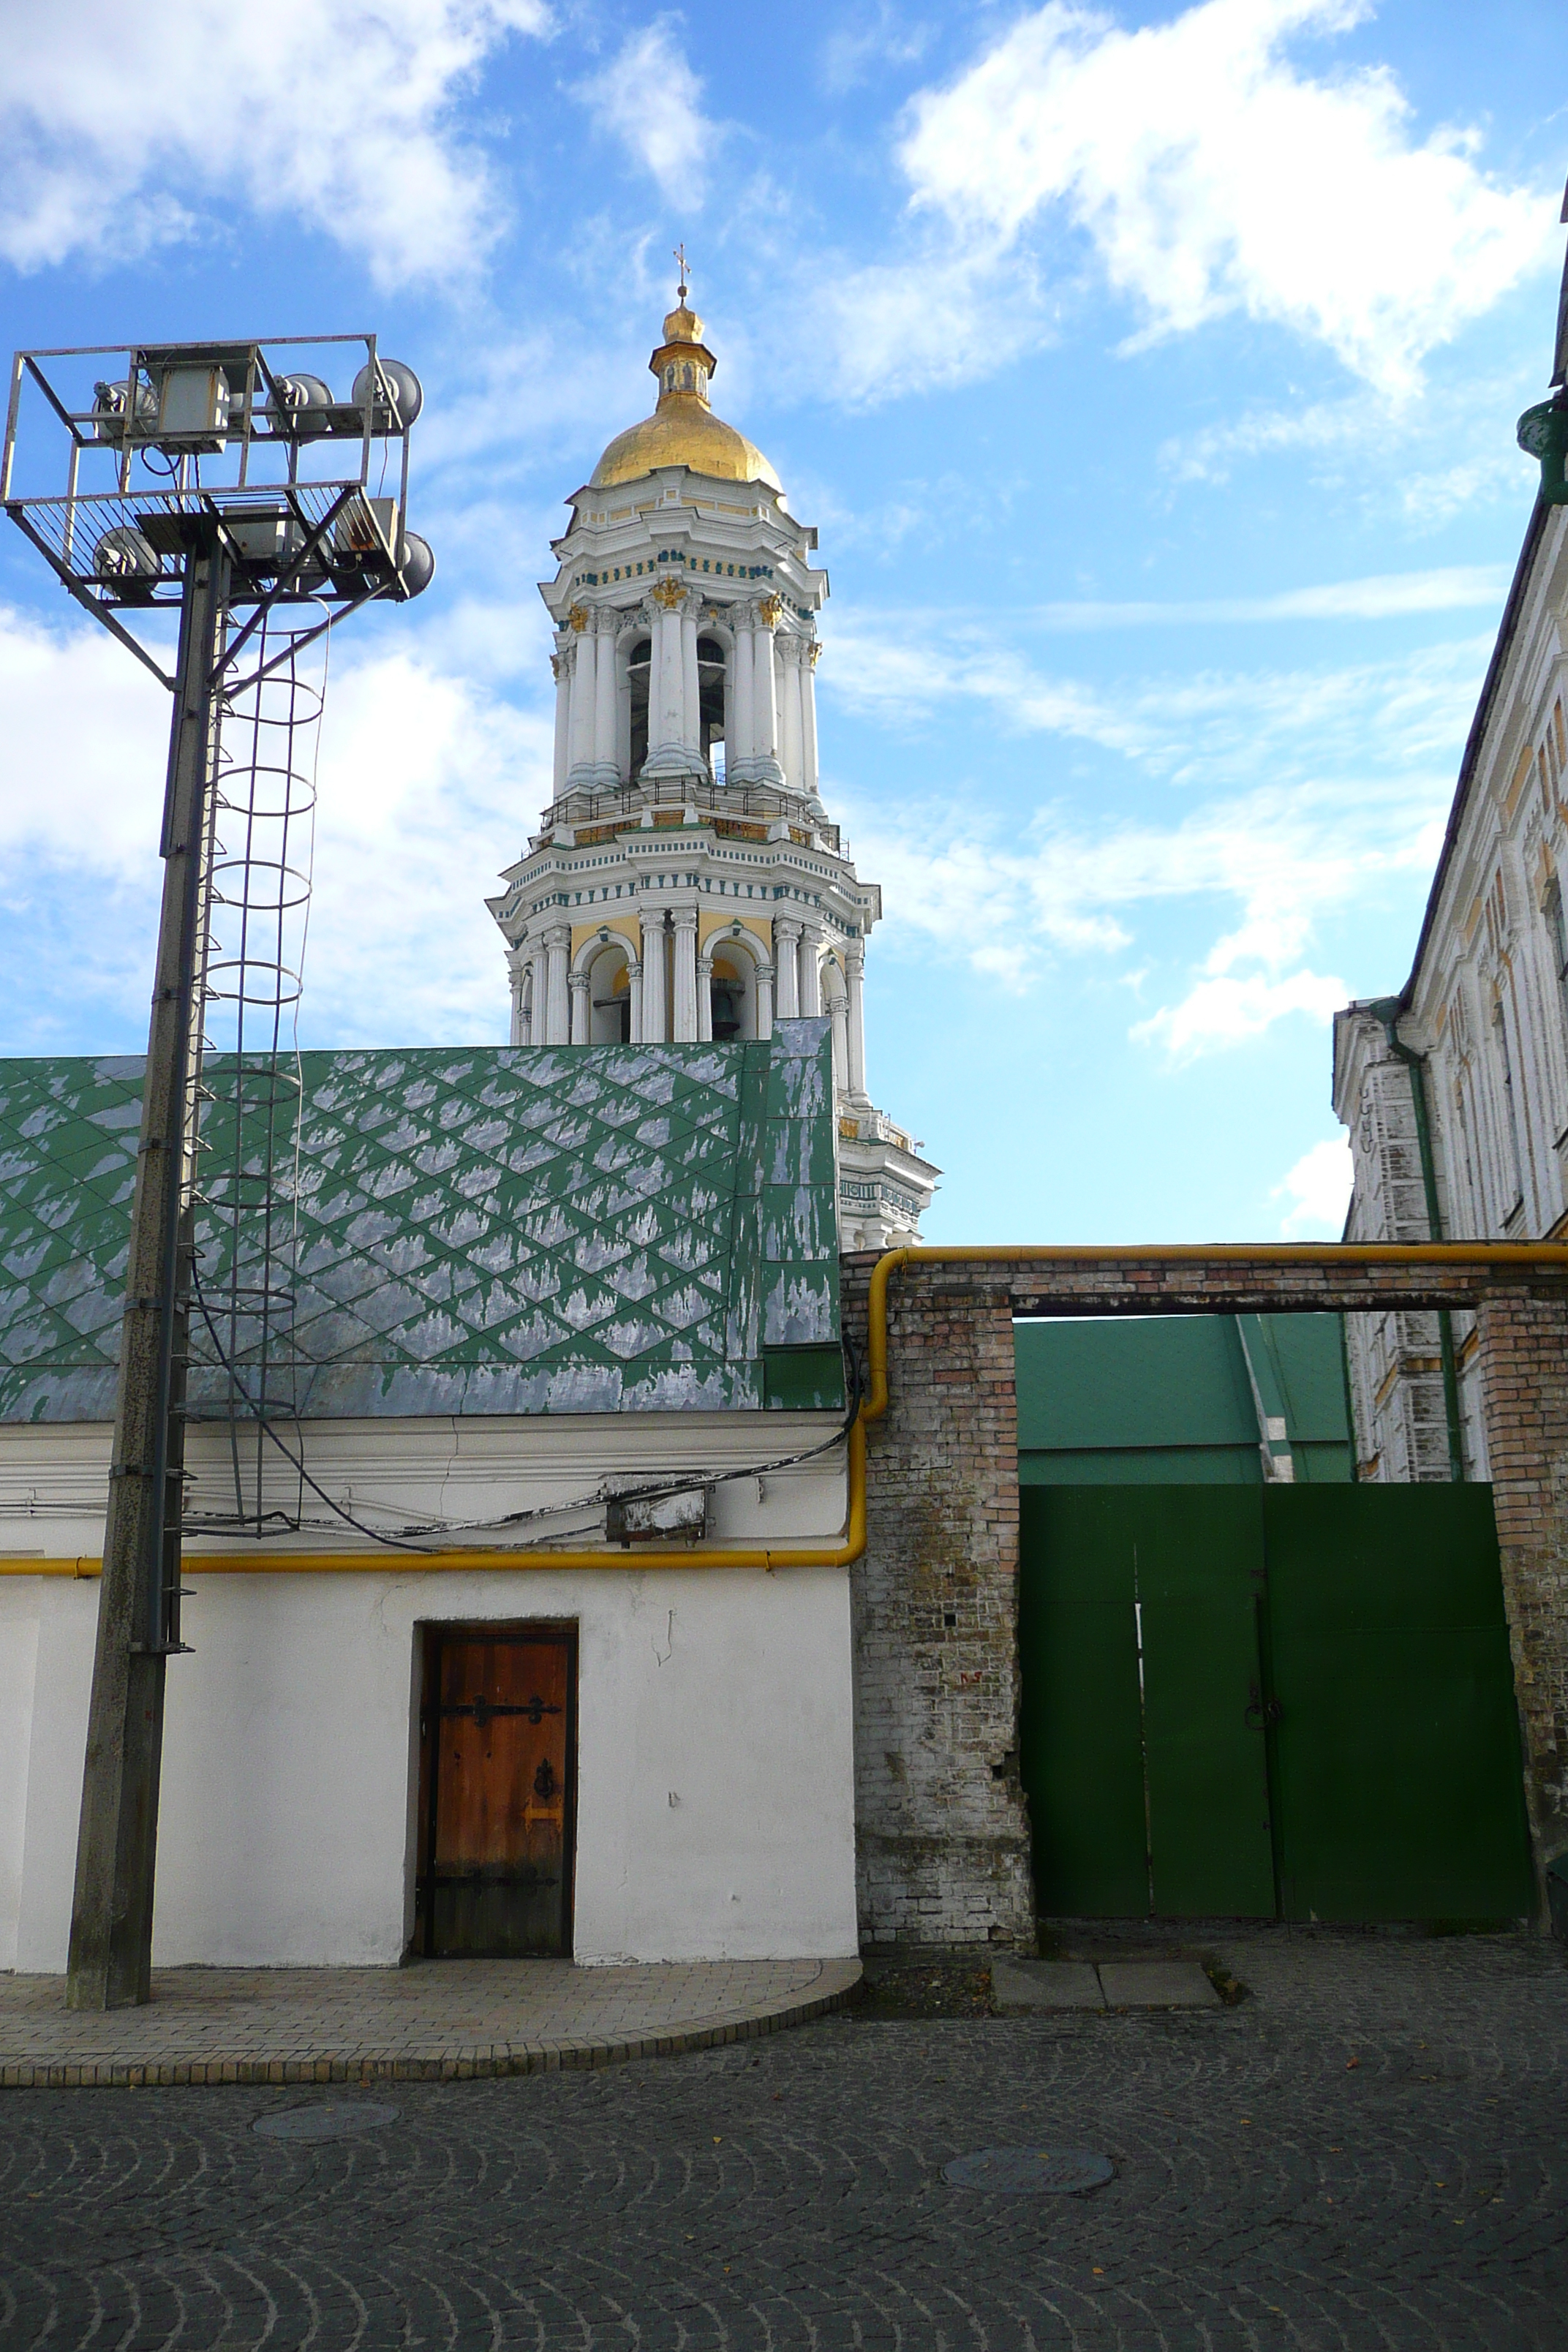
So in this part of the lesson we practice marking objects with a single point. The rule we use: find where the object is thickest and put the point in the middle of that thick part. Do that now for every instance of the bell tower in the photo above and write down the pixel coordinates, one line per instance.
(685, 884)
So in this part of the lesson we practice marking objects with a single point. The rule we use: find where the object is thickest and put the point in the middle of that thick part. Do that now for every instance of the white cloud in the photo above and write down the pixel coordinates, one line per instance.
(122, 128)
(1318, 1189)
(650, 98)
(859, 50)
(1198, 727)
(1230, 1010)
(1359, 768)
(1384, 597)
(427, 782)
(1209, 175)
(87, 733)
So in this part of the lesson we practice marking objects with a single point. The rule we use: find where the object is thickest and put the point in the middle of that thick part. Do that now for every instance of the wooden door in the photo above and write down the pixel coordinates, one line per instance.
(498, 1788)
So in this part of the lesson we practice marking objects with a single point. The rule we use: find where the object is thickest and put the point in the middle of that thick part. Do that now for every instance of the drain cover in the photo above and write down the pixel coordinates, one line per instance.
(1027, 2171)
(328, 2120)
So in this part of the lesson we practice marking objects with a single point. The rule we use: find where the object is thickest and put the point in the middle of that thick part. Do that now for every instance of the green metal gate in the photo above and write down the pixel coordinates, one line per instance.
(1269, 1702)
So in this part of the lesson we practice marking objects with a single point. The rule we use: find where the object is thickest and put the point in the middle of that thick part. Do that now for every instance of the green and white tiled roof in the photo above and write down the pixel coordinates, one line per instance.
(601, 1229)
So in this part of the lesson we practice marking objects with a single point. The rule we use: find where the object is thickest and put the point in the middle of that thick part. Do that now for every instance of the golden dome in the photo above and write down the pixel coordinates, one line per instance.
(683, 429)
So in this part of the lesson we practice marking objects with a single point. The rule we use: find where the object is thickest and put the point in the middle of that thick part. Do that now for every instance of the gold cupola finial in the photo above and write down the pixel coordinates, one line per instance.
(683, 363)
(683, 429)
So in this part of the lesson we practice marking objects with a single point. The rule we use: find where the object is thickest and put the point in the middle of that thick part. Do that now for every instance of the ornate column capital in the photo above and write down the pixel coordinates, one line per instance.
(791, 648)
(684, 918)
(787, 927)
(558, 935)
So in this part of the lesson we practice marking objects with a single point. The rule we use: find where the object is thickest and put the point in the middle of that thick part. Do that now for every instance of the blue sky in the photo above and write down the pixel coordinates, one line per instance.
(1151, 374)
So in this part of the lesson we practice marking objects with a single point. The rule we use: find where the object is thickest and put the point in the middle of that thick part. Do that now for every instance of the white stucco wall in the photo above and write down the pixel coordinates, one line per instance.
(290, 1762)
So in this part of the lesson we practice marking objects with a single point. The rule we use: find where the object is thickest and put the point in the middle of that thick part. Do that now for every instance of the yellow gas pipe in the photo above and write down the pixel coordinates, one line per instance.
(842, 1555)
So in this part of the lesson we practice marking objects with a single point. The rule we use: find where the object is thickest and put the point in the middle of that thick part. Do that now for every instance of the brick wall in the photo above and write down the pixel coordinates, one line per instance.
(1524, 1389)
(942, 1820)
(941, 1830)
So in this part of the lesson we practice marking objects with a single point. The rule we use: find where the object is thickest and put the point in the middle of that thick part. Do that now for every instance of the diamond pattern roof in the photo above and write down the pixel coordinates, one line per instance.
(589, 1229)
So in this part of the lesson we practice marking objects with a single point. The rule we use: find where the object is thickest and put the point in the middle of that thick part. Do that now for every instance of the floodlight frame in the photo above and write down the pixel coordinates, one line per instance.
(329, 542)
(322, 517)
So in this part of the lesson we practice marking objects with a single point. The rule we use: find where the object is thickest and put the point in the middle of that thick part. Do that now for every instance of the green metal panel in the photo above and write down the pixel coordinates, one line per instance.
(1144, 1466)
(1399, 1780)
(1081, 1752)
(1168, 1398)
(1198, 1568)
(1141, 1381)
(490, 1230)
(1168, 1784)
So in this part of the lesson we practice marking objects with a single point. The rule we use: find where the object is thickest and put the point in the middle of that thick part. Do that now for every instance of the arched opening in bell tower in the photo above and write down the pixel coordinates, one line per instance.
(610, 997)
(732, 989)
(711, 669)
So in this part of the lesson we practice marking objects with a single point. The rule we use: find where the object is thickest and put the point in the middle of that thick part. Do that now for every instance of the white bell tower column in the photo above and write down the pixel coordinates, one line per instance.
(788, 649)
(685, 922)
(741, 750)
(811, 942)
(855, 1023)
(786, 962)
(605, 770)
(810, 649)
(558, 949)
(560, 663)
(654, 1030)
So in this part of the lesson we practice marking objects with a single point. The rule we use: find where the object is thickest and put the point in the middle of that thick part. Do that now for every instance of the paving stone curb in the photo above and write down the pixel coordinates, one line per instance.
(472, 2064)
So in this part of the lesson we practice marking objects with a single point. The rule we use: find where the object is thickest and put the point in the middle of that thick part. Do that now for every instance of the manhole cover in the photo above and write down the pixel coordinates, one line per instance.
(1028, 2171)
(328, 2120)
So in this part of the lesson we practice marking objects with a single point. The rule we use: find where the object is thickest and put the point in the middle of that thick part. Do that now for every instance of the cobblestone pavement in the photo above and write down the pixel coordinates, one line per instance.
(446, 2018)
(1370, 2150)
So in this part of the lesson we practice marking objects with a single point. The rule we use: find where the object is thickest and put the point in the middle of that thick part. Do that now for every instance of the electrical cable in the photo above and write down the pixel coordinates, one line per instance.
(402, 1539)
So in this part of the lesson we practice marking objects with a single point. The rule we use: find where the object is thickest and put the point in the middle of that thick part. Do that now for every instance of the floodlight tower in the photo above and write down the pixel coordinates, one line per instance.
(223, 481)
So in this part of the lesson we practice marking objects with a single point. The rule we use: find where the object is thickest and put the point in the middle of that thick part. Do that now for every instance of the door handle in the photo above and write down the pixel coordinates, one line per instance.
(1260, 1710)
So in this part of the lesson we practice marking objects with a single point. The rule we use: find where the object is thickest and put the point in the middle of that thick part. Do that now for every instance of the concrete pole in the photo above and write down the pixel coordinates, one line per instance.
(654, 1030)
(111, 1955)
(855, 982)
(786, 960)
(765, 1000)
(685, 922)
(558, 948)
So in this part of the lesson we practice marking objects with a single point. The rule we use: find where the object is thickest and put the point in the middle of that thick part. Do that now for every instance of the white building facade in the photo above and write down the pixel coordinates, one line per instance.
(686, 883)
(1474, 1049)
